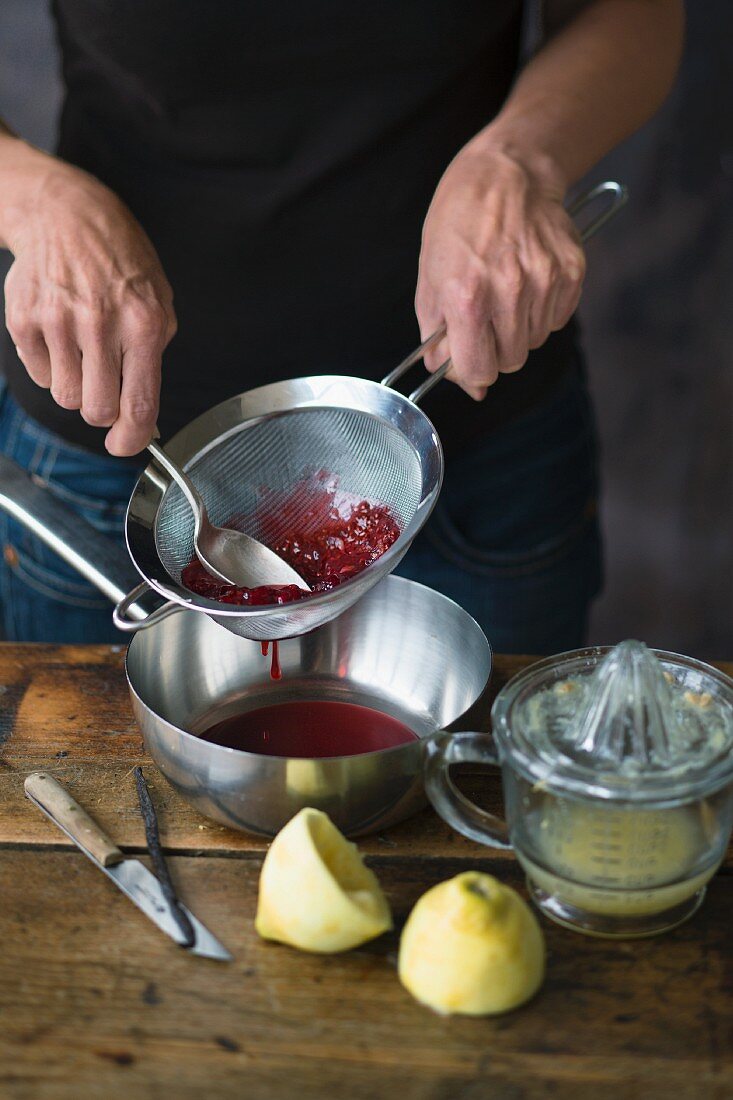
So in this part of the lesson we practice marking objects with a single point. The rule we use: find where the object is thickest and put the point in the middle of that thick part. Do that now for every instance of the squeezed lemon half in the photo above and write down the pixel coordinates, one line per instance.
(316, 892)
(471, 945)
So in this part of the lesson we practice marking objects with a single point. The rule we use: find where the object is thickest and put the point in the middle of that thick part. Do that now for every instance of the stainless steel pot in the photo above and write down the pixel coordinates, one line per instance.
(403, 649)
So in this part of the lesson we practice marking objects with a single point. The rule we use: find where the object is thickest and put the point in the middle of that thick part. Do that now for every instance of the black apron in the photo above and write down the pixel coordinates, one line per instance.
(281, 157)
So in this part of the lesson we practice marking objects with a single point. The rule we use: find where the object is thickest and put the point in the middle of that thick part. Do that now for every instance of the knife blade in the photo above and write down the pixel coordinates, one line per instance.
(130, 875)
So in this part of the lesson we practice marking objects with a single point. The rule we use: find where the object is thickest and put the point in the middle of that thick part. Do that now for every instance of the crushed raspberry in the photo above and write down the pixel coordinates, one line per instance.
(342, 547)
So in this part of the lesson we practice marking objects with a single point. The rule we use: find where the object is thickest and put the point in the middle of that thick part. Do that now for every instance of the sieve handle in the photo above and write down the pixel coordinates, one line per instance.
(128, 615)
(443, 749)
(619, 196)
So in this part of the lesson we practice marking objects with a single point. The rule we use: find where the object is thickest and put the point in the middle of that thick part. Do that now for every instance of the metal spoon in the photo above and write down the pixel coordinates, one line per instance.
(230, 556)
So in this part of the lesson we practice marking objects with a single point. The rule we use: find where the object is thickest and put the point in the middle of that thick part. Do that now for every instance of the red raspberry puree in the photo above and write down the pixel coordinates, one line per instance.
(339, 542)
(336, 551)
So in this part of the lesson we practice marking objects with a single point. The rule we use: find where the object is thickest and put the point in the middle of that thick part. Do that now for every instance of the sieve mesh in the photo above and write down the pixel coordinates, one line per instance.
(269, 468)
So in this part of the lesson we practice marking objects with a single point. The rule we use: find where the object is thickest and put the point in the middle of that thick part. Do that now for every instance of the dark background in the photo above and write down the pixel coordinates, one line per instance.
(658, 323)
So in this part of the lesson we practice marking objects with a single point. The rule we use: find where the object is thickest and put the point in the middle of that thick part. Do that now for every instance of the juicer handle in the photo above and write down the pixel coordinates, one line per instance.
(619, 195)
(442, 750)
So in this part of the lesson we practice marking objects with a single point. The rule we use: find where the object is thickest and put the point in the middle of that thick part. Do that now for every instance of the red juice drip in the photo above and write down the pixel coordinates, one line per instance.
(310, 729)
(276, 672)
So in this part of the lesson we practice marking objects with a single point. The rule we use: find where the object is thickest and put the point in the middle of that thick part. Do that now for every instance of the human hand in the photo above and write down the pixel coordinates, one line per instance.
(501, 264)
(86, 301)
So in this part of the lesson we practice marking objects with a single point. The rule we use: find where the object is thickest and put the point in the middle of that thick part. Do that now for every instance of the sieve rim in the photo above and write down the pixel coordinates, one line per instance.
(318, 392)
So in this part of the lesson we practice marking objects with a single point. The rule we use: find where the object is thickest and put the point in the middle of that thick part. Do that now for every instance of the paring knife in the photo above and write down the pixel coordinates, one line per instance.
(130, 875)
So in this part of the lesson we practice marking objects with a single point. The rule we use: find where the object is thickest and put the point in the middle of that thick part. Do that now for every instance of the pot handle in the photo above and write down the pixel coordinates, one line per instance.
(619, 196)
(100, 560)
(442, 750)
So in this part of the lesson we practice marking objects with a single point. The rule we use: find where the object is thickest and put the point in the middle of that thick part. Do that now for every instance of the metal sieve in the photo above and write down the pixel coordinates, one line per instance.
(257, 459)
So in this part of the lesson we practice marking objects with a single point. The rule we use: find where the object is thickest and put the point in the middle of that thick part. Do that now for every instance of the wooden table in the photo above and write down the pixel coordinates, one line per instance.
(95, 1002)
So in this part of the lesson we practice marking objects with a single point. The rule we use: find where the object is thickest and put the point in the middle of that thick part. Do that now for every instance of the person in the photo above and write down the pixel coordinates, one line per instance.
(279, 168)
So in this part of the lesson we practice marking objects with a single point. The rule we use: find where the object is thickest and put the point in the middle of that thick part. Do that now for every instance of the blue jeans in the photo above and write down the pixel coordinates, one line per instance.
(42, 599)
(514, 538)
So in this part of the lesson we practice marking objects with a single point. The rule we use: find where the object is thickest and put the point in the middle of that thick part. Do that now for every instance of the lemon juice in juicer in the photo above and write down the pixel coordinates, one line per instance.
(617, 768)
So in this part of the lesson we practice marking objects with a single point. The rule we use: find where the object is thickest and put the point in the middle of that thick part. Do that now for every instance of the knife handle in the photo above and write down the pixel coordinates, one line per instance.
(64, 811)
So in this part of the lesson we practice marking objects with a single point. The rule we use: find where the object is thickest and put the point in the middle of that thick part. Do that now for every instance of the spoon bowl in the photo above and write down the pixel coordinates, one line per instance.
(230, 556)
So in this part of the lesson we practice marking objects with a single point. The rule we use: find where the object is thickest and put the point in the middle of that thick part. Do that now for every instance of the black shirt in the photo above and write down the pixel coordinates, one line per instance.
(282, 157)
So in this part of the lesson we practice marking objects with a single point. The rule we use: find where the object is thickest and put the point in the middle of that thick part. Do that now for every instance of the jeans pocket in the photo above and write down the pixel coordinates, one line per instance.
(34, 567)
(94, 487)
(484, 560)
(107, 516)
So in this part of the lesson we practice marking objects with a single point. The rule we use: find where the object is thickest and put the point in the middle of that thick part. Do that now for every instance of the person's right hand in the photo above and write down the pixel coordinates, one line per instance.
(86, 301)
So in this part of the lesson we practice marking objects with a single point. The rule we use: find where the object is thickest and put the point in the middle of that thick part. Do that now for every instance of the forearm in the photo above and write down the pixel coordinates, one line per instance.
(22, 171)
(594, 83)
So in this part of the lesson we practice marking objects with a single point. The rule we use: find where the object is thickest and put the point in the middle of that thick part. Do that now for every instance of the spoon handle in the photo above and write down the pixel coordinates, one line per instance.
(182, 480)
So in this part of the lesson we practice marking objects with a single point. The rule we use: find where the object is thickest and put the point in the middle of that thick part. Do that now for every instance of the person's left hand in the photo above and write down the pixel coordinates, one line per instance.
(501, 264)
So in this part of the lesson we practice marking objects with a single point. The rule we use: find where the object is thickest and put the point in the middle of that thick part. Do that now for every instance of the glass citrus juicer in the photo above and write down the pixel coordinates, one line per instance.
(617, 770)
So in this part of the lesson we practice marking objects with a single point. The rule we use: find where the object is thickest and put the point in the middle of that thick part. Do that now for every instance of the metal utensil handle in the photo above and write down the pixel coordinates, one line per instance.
(619, 193)
(182, 480)
(104, 563)
(443, 749)
(126, 614)
(67, 814)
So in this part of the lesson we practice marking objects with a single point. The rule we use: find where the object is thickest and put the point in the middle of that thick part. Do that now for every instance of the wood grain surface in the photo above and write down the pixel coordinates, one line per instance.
(95, 1002)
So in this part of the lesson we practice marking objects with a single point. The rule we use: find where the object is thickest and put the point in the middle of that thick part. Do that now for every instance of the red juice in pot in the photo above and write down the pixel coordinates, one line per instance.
(309, 729)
